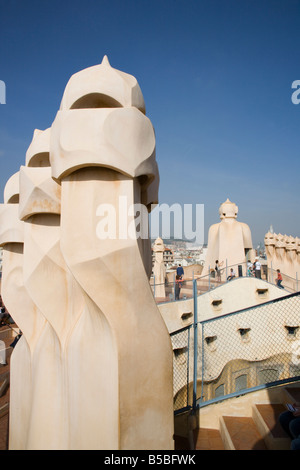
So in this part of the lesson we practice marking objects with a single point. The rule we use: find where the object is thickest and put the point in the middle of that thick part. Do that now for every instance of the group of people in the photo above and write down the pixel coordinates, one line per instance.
(254, 269)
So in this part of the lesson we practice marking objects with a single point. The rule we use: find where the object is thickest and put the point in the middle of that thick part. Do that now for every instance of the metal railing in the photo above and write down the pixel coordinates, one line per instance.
(236, 353)
(288, 283)
(169, 291)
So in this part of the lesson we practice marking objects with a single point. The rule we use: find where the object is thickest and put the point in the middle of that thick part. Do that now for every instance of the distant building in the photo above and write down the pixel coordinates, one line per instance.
(168, 257)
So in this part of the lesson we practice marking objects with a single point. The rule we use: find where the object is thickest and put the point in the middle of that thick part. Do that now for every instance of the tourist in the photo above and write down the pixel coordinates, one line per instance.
(231, 275)
(217, 270)
(178, 284)
(258, 269)
(290, 422)
(249, 268)
(180, 271)
(279, 279)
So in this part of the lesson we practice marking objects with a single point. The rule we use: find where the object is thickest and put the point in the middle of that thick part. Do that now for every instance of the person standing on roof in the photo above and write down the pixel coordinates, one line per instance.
(279, 279)
(180, 271)
(258, 269)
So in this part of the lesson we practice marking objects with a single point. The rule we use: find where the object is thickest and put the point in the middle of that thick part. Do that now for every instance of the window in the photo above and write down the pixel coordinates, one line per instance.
(241, 382)
(220, 391)
(186, 315)
(291, 331)
(268, 375)
(244, 333)
(216, 303)
(180, 355)
(262, 292)
(211, 342)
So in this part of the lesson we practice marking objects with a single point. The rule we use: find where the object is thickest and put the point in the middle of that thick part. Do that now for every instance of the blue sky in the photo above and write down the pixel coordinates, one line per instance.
(216, 76)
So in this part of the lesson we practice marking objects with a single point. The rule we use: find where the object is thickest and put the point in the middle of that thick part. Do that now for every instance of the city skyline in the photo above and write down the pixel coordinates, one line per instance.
(217, 77)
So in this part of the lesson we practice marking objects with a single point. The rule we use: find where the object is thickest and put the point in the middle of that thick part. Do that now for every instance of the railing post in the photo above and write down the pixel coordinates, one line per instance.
(154, 285)
(202, 361)
(209, 278)
(174, 286)
(195, 376)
